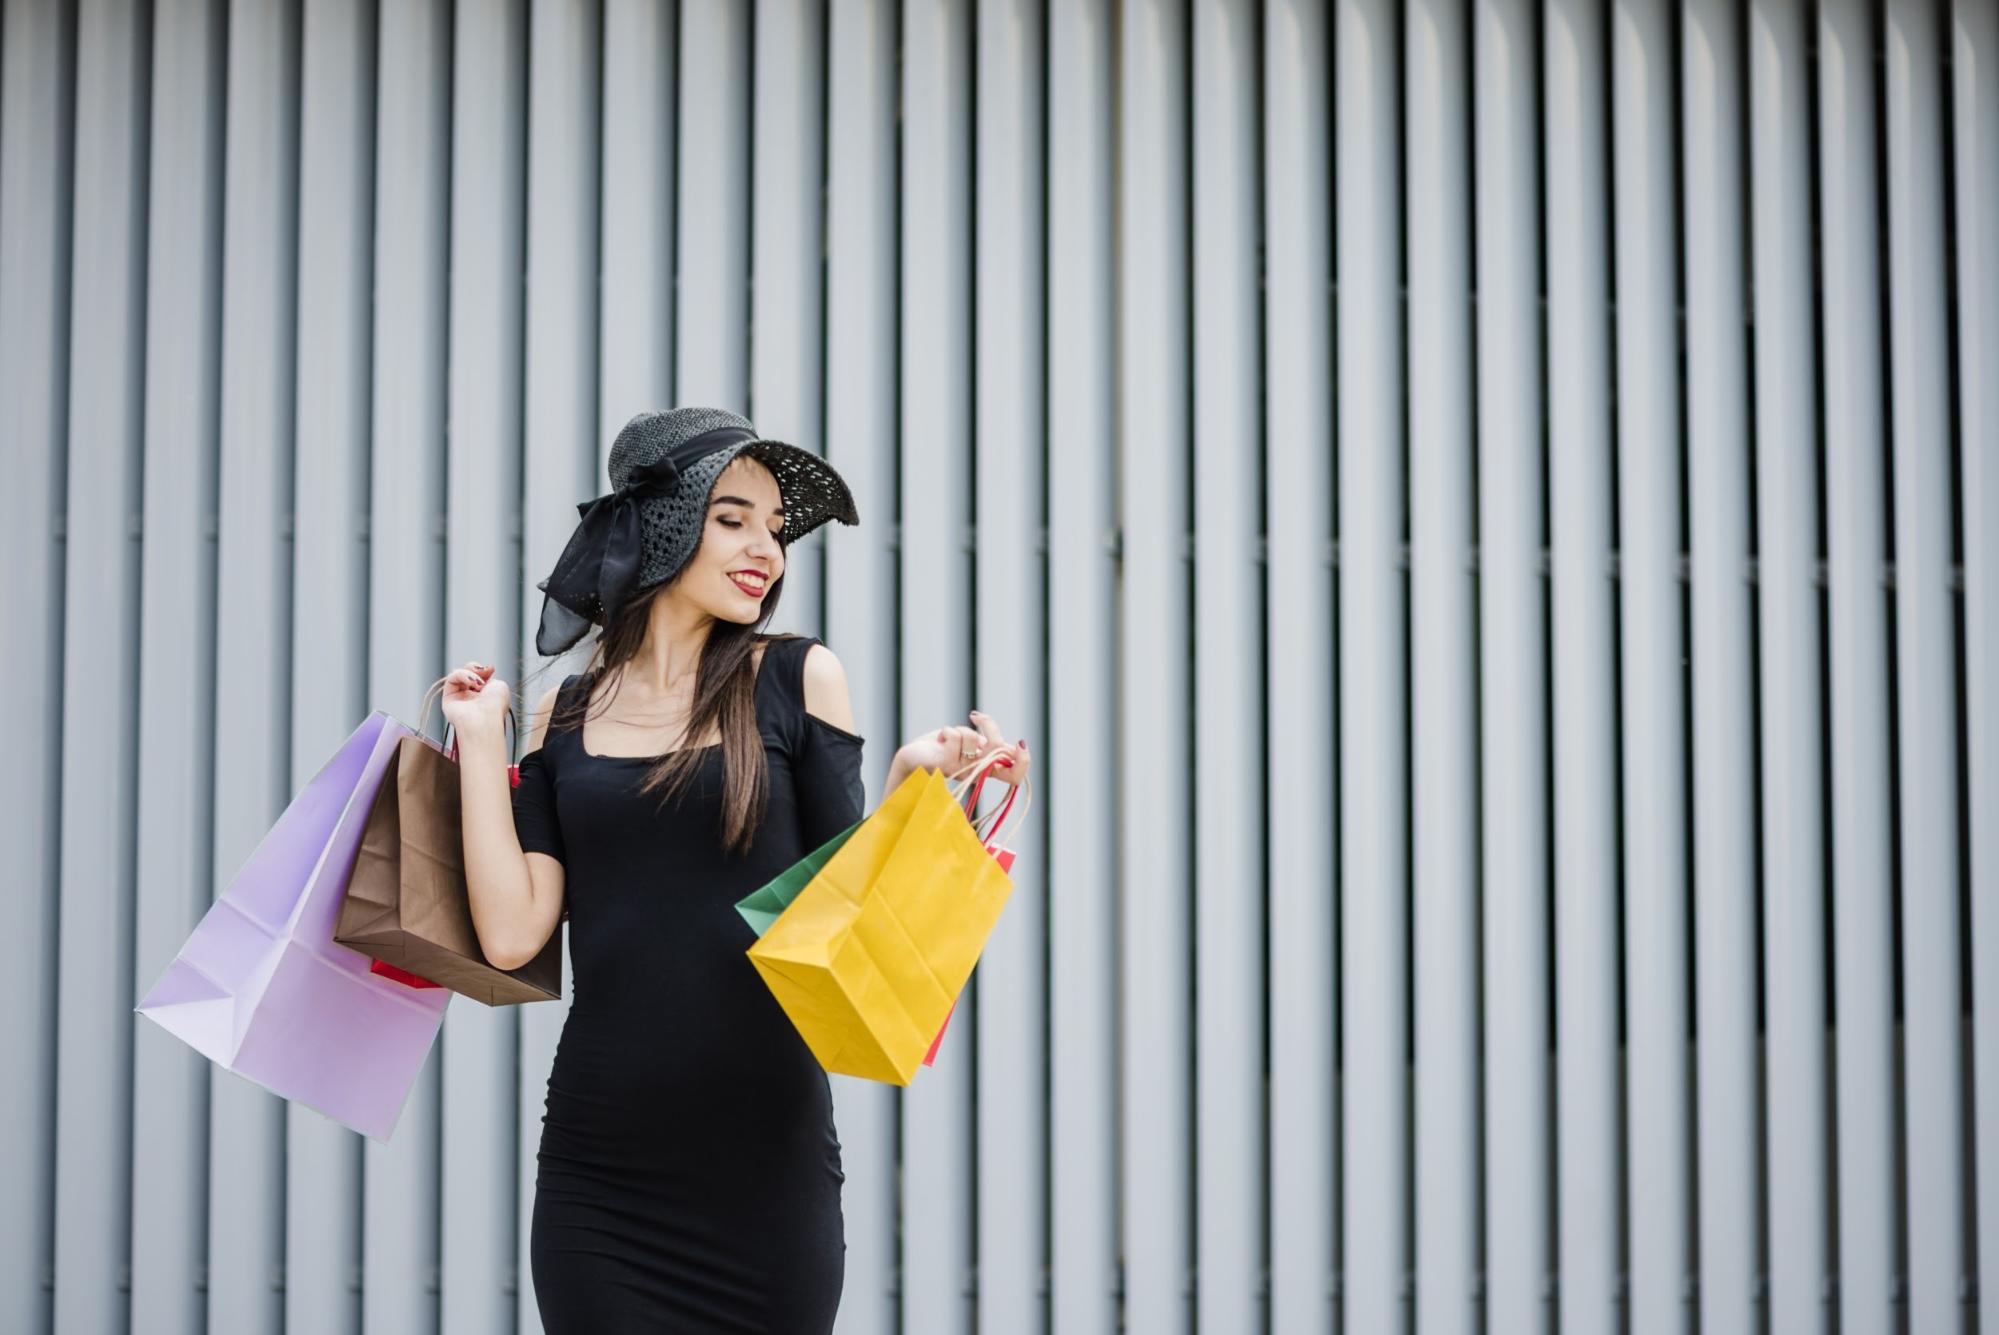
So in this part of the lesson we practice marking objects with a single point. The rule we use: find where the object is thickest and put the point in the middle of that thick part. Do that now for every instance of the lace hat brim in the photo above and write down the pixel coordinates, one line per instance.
(664, 467)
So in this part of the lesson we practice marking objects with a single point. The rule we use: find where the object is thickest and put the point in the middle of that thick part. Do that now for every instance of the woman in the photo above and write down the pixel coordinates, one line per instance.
(689, 1172)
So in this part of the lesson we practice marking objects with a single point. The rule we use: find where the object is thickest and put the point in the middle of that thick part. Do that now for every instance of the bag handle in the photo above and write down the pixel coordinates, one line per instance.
(972, 782)
(1006, 844)
(449, 744)
(992, 820)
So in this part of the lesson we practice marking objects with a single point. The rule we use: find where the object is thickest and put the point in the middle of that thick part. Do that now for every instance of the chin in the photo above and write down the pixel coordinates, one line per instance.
(738, 610)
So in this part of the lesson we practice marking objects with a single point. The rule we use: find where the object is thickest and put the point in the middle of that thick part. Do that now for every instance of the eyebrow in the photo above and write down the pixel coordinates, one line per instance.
(737, 500)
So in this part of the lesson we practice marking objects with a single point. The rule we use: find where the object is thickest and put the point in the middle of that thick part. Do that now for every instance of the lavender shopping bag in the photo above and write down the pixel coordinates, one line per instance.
(261, 988)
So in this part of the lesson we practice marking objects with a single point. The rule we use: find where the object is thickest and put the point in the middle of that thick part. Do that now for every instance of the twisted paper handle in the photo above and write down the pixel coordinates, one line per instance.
(436, 692)
(973, 782)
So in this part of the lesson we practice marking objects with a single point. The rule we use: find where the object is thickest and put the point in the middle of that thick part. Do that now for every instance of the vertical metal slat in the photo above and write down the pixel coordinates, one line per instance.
(1728, 1170)
(400, 1179)
(712, 307)
(1789, 645)
(1153, 790)
(1513, 668)
(1009, 652)
(860, 563)
(636, 221)
(1303, 979)
(1857, 629)
(176, 646)
(100, 697)
(1374, 700)
(1926, 667)
(1443, 663)
(1583, 659)
(560, 444)
(330, 572)
(1654, 689)
(254, 600)
(1081, 810)
(1975, 136)
(938, 1184)
(482, 616)
(1227, 785)
(37, 70)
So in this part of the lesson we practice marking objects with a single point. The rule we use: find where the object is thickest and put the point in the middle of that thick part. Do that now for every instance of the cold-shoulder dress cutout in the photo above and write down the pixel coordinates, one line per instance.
(689, 1172)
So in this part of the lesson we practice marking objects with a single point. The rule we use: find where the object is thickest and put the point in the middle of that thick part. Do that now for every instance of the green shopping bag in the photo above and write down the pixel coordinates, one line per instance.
(761, 907)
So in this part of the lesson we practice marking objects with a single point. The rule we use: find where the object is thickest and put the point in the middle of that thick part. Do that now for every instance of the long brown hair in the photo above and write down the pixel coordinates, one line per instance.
(725, 682)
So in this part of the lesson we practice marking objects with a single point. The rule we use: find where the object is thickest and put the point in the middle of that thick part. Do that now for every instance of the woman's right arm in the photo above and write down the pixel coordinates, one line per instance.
(516, 896)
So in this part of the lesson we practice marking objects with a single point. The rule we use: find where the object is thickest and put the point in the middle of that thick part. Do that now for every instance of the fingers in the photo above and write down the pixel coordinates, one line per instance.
(989, 730)
(960, 745)
(470, 677)
(993, 742)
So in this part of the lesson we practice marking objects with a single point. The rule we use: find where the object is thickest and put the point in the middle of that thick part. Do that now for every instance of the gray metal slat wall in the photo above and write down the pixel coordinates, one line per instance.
(100, 667)
(406, 517)
(322, 1229)
(1975, 171)
(176, 701)
(1513, 707)
(1790, 635)
(1583, 679)
(255, 605)
(1728, 1172)
(1085, 1167)
(1857, 648)
(1009, 648)
(935, 619)
(1372, 449)
(1373, 1187)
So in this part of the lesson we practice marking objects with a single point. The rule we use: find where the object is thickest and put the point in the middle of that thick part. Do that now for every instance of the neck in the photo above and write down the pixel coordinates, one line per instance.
(675, 634)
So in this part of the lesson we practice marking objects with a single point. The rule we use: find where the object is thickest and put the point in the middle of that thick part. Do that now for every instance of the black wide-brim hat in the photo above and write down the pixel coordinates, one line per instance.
(663, 468)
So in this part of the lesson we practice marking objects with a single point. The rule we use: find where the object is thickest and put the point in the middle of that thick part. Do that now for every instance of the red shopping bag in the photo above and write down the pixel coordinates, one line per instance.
(1003, 856)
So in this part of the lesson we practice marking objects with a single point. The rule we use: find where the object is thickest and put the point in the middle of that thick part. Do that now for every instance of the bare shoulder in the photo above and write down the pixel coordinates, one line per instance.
(538, 719)
(826, 693)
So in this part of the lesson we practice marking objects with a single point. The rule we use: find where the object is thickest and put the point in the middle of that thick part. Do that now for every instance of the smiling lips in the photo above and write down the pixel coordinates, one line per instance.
(751, 582)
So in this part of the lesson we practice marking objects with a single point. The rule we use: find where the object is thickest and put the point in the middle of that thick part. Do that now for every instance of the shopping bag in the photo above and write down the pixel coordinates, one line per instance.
(763, 906)
(403, 976)
(1003, 856)
(261, 989)
(869, 956)
(407, 904)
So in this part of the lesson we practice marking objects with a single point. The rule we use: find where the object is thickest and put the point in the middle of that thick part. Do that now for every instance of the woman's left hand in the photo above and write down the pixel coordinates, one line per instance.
(958, 751)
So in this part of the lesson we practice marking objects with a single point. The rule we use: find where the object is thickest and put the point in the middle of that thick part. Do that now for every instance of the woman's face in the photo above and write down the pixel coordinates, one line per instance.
(739, 557)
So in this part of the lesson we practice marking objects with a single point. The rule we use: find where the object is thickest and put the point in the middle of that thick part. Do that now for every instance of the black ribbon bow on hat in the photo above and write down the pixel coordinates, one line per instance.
(599, 569)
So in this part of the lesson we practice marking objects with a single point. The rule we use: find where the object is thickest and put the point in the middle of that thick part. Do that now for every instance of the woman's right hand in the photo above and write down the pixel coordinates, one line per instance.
(475, 700)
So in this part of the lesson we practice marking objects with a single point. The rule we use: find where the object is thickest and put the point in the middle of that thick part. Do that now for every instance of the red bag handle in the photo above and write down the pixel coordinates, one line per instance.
(971, 799)
(972, 796)
(449, 746)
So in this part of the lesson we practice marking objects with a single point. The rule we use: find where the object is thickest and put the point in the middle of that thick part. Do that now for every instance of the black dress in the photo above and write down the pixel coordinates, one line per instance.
(689, 1173)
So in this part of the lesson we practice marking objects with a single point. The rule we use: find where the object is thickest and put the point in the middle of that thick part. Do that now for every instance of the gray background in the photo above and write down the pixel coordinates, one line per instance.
(1484, 508)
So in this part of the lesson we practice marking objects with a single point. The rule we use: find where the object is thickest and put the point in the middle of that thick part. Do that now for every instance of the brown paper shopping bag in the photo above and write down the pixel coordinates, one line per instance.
(407, 903)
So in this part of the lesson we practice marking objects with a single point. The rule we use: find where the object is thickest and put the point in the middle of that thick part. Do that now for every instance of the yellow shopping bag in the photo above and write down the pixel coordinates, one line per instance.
(869, 957)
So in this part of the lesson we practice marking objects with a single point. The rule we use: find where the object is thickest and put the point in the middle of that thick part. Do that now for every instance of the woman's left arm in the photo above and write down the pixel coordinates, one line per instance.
(949, 749)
